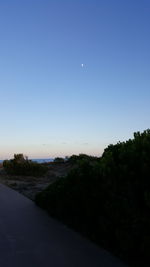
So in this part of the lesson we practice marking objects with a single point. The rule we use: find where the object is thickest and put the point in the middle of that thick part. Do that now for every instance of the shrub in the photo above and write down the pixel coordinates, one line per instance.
(75, 159)
(108, 199)
(22, 166)
(59, 160)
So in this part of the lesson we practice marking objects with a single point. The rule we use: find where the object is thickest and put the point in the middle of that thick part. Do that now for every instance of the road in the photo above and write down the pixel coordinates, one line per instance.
(30, 238)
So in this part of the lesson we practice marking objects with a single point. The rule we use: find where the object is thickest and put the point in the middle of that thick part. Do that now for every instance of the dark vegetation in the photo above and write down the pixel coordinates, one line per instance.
(20, 165)
(59, 160)
(108, 199)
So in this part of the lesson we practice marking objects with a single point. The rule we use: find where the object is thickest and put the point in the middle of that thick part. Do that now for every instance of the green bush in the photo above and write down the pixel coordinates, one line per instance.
(108, 199)
(22, 166)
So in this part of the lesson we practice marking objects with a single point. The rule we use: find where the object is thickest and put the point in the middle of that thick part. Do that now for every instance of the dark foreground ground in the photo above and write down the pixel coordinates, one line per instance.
(30, 238)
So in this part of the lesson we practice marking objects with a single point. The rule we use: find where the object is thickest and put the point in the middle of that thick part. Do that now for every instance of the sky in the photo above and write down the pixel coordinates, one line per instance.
(74, 75)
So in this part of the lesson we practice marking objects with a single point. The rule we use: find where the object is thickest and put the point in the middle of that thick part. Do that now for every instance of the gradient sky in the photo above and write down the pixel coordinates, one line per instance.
(52, 106)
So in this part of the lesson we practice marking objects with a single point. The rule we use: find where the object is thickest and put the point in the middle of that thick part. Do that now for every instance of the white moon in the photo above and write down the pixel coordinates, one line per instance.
(82, 65)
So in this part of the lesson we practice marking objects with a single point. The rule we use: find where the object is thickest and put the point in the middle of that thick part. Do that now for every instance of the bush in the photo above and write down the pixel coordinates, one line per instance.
(108, 199)
(76, 159)
(59, 160)
(22, 166)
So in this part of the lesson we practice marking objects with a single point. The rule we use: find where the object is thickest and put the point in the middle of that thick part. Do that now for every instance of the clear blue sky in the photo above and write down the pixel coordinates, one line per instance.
(52, 106)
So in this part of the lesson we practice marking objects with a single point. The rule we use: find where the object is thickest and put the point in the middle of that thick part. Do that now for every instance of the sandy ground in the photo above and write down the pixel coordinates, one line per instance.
(30, 186)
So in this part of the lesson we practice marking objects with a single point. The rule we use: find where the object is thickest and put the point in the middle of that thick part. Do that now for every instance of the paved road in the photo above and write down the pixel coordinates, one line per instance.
(30, 238)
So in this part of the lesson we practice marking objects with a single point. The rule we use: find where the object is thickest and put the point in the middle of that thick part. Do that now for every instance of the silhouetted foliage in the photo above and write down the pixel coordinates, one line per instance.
(108, 199)
(20, 165)
(59, 160)
(75, 159)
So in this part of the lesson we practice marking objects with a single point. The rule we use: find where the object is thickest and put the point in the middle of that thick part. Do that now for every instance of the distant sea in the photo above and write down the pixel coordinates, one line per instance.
(38, 160)
(43, 160)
